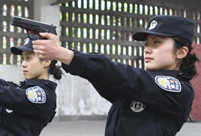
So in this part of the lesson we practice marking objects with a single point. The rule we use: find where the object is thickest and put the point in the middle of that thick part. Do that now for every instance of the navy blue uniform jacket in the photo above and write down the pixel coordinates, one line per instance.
(144, 103)
(26, 109)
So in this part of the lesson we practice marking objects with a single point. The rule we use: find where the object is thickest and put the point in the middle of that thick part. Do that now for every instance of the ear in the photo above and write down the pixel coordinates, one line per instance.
(46, 63)
(182, 52)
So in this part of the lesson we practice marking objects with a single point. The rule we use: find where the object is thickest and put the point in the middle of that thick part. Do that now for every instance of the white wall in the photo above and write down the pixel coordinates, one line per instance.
(11, 73)
(76, 96)
(43, 11)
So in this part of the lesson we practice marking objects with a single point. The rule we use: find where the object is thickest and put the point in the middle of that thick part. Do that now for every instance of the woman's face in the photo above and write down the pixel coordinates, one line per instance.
(159, 53)
(33, 67)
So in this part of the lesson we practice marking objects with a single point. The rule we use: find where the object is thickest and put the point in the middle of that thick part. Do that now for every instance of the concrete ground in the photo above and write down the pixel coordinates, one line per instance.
(96, 128)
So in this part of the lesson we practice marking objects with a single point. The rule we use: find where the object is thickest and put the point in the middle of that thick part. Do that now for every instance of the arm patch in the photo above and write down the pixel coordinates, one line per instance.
(168, 83)
(36, 95)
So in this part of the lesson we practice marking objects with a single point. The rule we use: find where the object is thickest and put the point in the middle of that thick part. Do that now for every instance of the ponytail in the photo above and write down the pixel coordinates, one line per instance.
(55, 70)
(188, 63)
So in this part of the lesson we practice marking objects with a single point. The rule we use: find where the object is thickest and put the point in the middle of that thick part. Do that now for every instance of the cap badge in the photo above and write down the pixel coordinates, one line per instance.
(168, 83)
(26, 41)
(153, 25)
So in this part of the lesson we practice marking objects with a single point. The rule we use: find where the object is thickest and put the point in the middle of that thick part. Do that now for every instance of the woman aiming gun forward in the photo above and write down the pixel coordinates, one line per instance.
(152, 102)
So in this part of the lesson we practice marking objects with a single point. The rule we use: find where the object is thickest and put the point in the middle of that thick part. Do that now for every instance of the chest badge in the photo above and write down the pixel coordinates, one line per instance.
(137, 106)
(36, 95)
(168, 83)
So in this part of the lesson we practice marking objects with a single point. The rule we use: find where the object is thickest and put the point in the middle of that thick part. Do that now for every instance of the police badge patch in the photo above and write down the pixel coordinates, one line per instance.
(168, 83)
(36, 95)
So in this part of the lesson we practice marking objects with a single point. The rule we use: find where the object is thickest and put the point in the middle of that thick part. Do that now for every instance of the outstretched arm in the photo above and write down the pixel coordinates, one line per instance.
(124, 80)
(7, 83)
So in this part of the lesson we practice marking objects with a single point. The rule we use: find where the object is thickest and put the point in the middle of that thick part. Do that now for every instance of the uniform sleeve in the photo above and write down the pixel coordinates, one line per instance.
(23, 100)
(127, 81)
(111, 76)
(6, 83)
(91, 67)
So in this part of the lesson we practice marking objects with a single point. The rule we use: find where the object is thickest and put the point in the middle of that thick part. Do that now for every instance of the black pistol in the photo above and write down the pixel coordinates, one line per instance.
(33, 27)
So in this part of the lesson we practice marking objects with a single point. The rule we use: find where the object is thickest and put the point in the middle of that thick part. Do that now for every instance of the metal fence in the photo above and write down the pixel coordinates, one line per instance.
(106, 26)
(9, 35)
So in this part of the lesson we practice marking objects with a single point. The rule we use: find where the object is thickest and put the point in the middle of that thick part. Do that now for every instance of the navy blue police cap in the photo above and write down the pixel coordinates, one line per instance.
(27, 46)
(169, 26)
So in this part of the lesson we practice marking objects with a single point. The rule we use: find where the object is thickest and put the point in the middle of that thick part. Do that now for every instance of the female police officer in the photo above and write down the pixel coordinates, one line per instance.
(27, 108)
(151, 102)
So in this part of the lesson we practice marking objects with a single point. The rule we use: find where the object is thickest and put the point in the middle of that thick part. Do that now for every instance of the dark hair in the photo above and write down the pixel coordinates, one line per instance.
(188, 63)
(55, 70)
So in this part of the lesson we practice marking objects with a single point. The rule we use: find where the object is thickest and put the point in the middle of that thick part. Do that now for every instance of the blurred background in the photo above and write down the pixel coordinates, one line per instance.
(103, 26)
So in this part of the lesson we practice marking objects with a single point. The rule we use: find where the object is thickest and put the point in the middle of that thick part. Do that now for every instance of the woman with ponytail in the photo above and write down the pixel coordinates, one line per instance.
(155, 101)
(188, 63)
(27, 108)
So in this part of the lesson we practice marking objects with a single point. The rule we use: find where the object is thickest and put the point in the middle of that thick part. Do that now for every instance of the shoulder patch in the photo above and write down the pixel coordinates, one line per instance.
(168, 83)
(36, 95)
